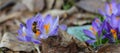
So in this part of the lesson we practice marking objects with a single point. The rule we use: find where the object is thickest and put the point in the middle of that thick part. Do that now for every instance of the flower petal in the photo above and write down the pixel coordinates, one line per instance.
(119, 26)
(54, 27)
(109, 36)
(101, 12)
(119, 36)
(63, 27)
(107, 26)
(48, 19)
(21, 38)
(29, 23)
(54, 32)
(28, 38)
(43, 36)
(36, 41)
(91, 41)
(114, 7)
(95, 24)
(89, 34)
(107, 9)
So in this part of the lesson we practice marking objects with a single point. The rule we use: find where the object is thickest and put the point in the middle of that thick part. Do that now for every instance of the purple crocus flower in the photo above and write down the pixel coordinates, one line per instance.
(30, 32)
(49, 27)
(38, 28)
(110, 8)
(22, 34)
(96, 29)
(111, 27)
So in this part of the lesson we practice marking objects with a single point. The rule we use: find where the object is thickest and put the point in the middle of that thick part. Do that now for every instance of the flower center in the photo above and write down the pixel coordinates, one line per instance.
(114, 33)
(37, 33)
(93, 30)
(47, 27)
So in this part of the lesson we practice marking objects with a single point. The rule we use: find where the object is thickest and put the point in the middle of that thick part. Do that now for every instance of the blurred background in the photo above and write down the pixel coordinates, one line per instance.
(14, 12)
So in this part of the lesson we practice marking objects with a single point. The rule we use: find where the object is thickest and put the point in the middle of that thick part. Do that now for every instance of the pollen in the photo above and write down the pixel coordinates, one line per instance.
(114, 33)
(47, 27)
(37, 33)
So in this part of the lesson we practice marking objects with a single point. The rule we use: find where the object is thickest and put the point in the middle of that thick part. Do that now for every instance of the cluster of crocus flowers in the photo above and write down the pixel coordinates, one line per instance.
(95, 31)
(108, 30)
(110, 8)
(38, 28)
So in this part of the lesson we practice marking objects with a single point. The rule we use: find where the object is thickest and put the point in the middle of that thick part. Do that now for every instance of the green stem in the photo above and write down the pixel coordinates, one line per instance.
(100, 39)
(97, 40)
(117, 41)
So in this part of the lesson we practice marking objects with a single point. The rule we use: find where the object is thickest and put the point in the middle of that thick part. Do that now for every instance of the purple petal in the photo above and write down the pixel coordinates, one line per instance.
(114, 7)
(109, 36)
(55, 22)
(30, 33)
(107, 26)
(42, 28)
(20, 32)
(95, 25)
(89, 34)
(63, 27)
(55, 25)
(39, 18)
(101, 12)
(54, 32)
(99, 33)
(113, 21)
(28, 38)
(43, 36)
(29, 23)
(118, 6)
(48, 19)
(36, 41)
(21, 38)
(119, 26)
(107, 8)
(91, 41)
(119, 36)
(21, 26)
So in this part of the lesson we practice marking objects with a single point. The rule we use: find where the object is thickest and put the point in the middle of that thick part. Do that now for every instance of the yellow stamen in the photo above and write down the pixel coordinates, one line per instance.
(37, 33)
(114, 33)
(46, 27)
(110, 10)
(93, 30)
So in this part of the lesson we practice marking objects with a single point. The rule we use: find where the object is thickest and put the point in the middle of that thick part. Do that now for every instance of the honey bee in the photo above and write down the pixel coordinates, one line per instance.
(34, 27)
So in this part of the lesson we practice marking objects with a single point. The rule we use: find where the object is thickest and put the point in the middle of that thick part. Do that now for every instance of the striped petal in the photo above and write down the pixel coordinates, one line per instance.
(89, 34)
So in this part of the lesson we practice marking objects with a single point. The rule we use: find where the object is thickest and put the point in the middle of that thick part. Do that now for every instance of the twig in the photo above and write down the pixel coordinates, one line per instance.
(10, 16)
(37, 48)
